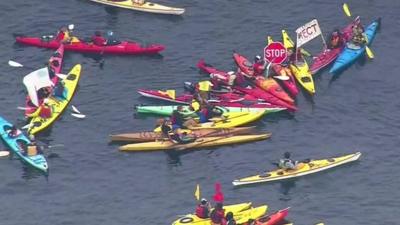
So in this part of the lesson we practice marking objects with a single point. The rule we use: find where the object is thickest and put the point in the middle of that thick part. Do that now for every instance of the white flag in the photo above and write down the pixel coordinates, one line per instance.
(307, 32)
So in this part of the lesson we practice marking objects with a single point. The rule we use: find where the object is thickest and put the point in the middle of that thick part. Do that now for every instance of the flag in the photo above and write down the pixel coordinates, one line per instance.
(197, 192)
(307, 32)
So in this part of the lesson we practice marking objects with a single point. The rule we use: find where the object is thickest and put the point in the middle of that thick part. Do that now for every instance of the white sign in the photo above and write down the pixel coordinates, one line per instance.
(307, 32)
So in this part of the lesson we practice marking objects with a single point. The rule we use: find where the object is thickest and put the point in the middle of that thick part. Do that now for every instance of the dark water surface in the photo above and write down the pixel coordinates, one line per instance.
(91, 182)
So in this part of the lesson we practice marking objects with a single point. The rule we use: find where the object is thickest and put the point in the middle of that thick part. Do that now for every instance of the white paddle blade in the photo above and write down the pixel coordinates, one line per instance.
(80, 116)
(4, 153)
(14, 64)
(26, 126)
(61, 76)
(75, 109)
(24, 108)
(281, 77)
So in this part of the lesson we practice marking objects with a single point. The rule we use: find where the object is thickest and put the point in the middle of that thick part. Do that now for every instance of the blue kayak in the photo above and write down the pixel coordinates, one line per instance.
(352, 52)
(15, 144)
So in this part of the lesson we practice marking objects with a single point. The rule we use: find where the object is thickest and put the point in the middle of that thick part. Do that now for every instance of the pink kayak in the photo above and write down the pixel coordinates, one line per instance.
(328, 55)
(57, 57)
(267, 84)
(123, 48)
(254, 91)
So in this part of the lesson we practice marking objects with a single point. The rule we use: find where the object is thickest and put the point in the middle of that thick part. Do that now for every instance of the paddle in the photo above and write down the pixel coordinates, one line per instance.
(4, 153)
(197, 192)
(203, 142)
(346, 10)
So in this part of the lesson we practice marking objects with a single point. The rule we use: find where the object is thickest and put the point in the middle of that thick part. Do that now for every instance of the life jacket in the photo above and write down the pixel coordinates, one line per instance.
(217, 216)
(195, 105)
(335, 42)
(205, 85)
(32, 150)
(99, 40)
(45, 111)
(258, 69)
(202, 211)
(287, 164)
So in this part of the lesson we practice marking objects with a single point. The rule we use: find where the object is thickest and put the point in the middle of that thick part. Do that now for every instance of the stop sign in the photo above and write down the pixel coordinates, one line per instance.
(275, 52)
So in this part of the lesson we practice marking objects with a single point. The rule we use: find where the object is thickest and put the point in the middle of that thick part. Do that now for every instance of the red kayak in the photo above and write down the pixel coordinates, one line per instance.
(123, 48)
(328, 55)
(267, 84)
(57, 56)
(289, 84)
(254, 91)
(274, 218)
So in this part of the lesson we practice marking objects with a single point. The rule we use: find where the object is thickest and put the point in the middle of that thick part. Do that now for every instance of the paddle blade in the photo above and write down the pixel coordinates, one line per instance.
(75, 109)
(346, 10)
(80, 116)
(197, 192)
(14, 64)
(27, 126)
(61, 76)
(4, 153)
(280, 77)
(370, 54)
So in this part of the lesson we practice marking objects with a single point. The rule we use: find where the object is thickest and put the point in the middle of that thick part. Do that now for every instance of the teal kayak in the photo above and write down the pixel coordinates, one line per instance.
(168, 109)
(37, 161)
(352, 52)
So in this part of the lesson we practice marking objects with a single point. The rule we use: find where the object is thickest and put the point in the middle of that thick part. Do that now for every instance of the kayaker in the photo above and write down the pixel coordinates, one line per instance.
(73, 39)
(229, 219)
(358, 35)
(258, 66)
(336, 40)
(45, 109)
(287, 163)
(50, 68)
(59, 90)
(32, 148)
(182, 137)
(63, 35)
(203, 209)
(177, 118)
(138, 2)
(292, 57)
(207, 112)
(204, 88)
(217, 215)
(98, 39)
(13, 132)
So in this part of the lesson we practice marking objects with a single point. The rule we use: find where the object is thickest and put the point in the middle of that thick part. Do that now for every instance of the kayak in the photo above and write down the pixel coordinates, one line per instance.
(254, 91)
(352, 52)
(146, 7)
(199, 143)
(260, 93)
(328, 55)
(274, 218)
(168, 95)
(57, 104)
(232, 119)
(280, 70)
(192, 218)
(37, 161)
(123, 48)
(267, 84)
(168, 109)
(300, 68)
(153, 136)
(303, 168)
(240, 216)
(57, 56)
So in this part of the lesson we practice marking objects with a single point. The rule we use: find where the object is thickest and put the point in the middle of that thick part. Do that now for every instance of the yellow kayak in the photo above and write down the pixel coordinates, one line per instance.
(58, 105)
(145, 7)
(199, 143)
(313, 166)
(300, 68)
(241, 216)
(232, 119)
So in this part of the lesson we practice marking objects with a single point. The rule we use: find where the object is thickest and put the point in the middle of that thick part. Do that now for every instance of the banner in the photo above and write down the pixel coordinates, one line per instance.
(307, 32)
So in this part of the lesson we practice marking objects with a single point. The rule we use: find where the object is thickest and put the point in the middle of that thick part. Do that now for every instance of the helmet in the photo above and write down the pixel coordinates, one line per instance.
(71, 27)
(257, 58)
(204, 201)
(286, 155)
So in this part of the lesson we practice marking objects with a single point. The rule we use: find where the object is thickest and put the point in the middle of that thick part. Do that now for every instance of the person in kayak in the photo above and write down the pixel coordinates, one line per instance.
(203, 89)
(13, 132)
(258, 66)
(50, 67)
(229, 219)
(217, 215)
(358, 37)
(182, 137)
(58, 90)
(138, 2)
(63, 35)
(203, 209)
(45, 109)
(98, 39)
(286, 163)
(336, 40)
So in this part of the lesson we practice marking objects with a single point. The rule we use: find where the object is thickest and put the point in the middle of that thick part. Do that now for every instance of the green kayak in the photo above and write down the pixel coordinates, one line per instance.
(168, 109)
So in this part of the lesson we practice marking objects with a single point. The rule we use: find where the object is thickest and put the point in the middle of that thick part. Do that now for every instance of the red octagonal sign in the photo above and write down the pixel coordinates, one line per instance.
(275, 52)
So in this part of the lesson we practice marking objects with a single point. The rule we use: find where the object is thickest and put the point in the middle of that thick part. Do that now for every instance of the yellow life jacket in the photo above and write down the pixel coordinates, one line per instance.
(195, 105)
(31, 150)
(205, 85)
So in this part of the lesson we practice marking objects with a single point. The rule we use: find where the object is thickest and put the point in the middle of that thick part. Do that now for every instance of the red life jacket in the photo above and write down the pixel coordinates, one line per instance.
(258, 69)
(217, 216)
(99, 40)
(60, 36)
(45, 111)
(201, 211)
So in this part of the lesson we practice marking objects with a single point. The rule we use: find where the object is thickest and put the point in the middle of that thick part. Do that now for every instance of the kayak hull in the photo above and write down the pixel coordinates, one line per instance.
(351, 52)
(149, 7)
(37, 161)
(311, 167)
(58, 105)
(124, 48)
(274, 218)
(146, 136)
(201, 143)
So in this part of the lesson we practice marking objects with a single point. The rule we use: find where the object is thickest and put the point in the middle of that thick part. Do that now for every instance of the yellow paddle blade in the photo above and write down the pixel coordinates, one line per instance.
(346, 10)
(269, 40)
(197, 192)
(304, 52)
(319, 224)
(370, 54)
